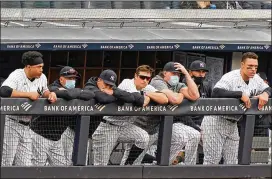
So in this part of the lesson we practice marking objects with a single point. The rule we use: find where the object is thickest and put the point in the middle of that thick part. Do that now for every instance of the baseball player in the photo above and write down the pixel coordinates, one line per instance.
(31, 83)
(220, 133)
(106, 92)
(198, 71)
(48, 130)
(183, 135)
(120, 128)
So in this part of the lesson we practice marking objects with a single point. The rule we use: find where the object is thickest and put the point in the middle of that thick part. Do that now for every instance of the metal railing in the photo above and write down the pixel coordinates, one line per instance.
(88, 108)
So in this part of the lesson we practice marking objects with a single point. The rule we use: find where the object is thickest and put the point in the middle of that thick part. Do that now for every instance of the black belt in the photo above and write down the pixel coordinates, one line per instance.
(107, 122)
(24, 123)
(232, 120)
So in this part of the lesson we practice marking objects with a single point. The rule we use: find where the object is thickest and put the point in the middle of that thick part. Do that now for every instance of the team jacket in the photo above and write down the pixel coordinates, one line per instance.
(118, 95)
(52, 127)
(69, 94)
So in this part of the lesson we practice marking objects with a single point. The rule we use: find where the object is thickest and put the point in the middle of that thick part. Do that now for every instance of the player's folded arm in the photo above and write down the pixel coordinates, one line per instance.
(6, 91)
(104, 98)
(173, 97)
(223, 93)
(124, 96)
(158, 97)
(138, 99)
(86, 95)
(99, 96)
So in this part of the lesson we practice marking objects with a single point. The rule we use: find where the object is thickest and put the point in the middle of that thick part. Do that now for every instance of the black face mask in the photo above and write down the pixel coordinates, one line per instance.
(198, 80)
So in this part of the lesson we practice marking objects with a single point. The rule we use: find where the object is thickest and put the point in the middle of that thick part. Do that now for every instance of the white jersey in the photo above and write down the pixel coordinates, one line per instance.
(18, 81)
(129, 86)
(233, 81)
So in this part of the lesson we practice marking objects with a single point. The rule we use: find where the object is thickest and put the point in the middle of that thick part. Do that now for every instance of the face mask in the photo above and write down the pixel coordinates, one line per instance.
(70, 84)
(174, 80)
(198, 80)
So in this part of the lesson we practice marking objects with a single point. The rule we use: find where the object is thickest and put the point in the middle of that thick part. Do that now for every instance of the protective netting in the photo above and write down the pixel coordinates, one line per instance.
(138, 4)
(134, 14)
(49, 140)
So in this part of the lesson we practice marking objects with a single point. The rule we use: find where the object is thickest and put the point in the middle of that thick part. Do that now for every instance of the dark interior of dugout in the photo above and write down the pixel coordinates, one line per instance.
(124, 63)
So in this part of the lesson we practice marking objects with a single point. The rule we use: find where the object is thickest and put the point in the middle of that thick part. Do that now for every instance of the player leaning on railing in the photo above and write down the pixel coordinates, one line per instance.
(167, 82)
(220, 133)
(105, 90)
(115, 129)
(31, 83)
(49, 130)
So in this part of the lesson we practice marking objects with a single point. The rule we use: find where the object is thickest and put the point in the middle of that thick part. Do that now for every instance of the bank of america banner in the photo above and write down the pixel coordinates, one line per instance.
(61, 107)
(137, 46)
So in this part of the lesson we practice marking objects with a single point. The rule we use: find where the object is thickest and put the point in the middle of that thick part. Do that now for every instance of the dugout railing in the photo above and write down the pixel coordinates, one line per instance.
(88, 108)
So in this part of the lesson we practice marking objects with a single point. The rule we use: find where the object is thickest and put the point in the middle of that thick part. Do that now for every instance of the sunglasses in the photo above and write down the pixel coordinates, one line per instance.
(147, 78)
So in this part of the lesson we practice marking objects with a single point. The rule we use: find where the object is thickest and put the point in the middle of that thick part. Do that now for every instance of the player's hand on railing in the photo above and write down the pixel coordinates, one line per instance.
(33, 95)
(263, 99)
(146, 100)
(52, 98)
(246, 100)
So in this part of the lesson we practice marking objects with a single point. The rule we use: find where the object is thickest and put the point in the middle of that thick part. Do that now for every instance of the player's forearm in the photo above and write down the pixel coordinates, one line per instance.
(173, 98)
(222, 93)
(192, 88)
(19, 94)
(159, 98)
(46, 94)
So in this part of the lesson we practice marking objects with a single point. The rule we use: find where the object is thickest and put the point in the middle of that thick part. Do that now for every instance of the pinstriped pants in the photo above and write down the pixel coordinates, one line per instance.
(67, 139)
(182, 136)
(220, 138)
(106, 137)
(17, 144)
(47, 150)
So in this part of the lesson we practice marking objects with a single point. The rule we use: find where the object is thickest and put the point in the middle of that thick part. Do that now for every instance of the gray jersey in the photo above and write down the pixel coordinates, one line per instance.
(233, 81)
(129, 86)
(158, 83)
(18, 80)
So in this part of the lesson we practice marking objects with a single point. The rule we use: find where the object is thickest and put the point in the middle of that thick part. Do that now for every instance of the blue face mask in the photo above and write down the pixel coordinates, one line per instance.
(70, 84)
(174, 80)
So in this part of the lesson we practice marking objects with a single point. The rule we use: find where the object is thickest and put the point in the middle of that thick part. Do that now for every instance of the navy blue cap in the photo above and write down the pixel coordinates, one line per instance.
(109, 77)
(198, 65)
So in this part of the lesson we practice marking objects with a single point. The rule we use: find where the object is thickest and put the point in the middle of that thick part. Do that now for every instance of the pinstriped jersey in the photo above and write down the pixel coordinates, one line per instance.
(129, 86)
(18, 81)
(233, 81)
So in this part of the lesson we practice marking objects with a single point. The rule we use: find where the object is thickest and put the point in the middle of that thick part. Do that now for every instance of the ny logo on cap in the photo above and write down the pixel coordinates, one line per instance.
(202, 65)
(112, 78)
(72, 70)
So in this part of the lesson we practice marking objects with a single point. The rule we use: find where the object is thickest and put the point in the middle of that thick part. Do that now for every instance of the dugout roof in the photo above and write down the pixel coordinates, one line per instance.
(135, 26)
(70, 35)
